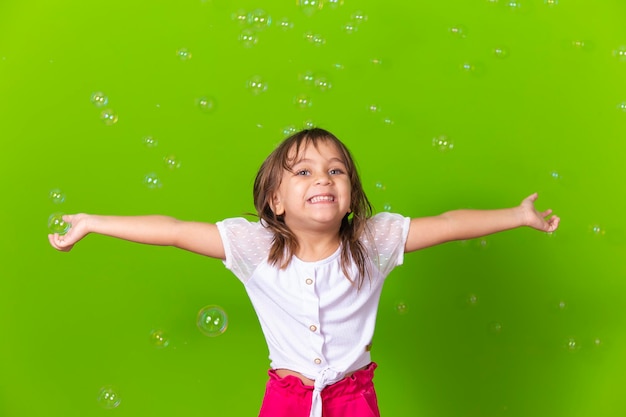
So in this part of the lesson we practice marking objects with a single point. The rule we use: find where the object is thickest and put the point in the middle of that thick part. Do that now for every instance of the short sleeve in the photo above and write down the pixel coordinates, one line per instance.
(385, 239)
(246, 245)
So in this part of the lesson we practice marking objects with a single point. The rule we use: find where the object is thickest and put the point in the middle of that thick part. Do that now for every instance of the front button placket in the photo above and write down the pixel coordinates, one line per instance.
(312, 317)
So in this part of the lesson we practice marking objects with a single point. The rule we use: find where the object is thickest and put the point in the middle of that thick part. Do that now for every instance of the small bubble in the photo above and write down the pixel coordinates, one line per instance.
(458, 31)
(285, 24)
(562, 305)
(256, 85)
(289, 130)
(183, 54)
(333, 4)
(171, 162)
(159, 339)
(401, 308)
(258, 19)
(302, 101)
(388, 121)
(572, 344)
(620, 53)
(248, 38)
(555, 175)
(359, 17)
(338, 66)
(495, 327)
(514, 5)
(598, 230)
(315, 38)
(206, 104)
(322, 83)
(551, 3)
(622, 106)
(150, 142)
(442, 143)
(387, 207)
(501, 52)
(310, 7)
(56, 224)
(99, 99)
(212, 320)
(380, 186)
(376, 62)
(472, 300)
(597, 342)
(309, 124)
(471, 68)
(56, 196)
(109, 117)
(240, 16)
(108, 397)
(349, 27)
(152, 181)
(307, 77)
(374, 108)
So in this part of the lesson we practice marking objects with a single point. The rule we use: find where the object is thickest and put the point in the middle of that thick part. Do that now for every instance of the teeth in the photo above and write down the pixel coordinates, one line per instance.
(319, 198)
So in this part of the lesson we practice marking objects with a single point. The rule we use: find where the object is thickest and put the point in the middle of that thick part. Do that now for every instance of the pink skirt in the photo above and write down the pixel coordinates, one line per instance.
(353, 396)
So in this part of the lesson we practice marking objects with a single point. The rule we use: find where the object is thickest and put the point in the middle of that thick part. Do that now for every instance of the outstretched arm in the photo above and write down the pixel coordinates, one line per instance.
(469, 224)
(201, 238)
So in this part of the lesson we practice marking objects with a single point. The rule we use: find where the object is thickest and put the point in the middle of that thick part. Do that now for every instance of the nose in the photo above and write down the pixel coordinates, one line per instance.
(323, 179)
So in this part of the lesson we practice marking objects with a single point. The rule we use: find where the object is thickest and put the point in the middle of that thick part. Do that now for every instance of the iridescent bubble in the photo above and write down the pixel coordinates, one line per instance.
(309, 124)
(572, 344)
(376, 62)
(495, 327)
(598, 230)
(388, 121)
(56, 224)
(256, 85)
(561, 305)
(56, 196)
(380, 186)
(374, 108)
(597, 341)
(150, 142)
(443, 143)
(159, 339)
(333, 4)
(349, 27)
(108, 397)
(212, 320)
(472, 299)
(248, 38)
(206, 104)
(307, 77)
(258, 19)
(289, 130)
(99, 99)
(322, 82)
(620, 53)
(513, 5)
(285, 24)
(109, 117)
(401, 308)
(172, 162)
(501, 52)
(551, 3)
(302, 101)
(339, 66)
(309, 7)
(555, 175)
(387, 207)
(459, 31)
(315, 38)
(622, 106)
(359, 17)
(240, 16)
(152, 181)
(183, 54)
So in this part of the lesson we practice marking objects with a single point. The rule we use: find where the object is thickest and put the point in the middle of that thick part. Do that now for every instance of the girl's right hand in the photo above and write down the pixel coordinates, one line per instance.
(78, 229)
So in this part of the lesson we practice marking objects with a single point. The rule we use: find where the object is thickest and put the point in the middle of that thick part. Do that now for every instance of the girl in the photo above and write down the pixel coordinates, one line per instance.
(313, 267)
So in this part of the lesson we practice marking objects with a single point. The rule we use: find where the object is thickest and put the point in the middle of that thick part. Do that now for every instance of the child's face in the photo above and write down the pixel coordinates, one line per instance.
(315, 194)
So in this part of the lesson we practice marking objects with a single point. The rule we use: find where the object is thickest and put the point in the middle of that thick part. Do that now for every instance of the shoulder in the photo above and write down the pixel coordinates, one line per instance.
(385, 222)
(239, 228)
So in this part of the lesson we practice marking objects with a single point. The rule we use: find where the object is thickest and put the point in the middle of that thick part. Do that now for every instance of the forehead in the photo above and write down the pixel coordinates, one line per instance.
(325, 147)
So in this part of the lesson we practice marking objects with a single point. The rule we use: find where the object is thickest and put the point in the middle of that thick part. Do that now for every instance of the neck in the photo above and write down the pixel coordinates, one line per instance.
(315, 247)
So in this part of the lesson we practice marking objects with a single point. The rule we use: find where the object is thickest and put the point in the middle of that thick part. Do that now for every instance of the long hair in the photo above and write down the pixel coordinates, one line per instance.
(353, 225)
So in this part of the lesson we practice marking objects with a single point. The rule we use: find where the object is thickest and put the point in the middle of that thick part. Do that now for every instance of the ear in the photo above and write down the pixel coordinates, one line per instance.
(276, 205)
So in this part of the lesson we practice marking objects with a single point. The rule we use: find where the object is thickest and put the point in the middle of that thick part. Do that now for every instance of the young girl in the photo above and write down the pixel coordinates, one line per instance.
(313, 267)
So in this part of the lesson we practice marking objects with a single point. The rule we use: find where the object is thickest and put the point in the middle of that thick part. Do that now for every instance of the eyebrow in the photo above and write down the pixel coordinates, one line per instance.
(306, 160)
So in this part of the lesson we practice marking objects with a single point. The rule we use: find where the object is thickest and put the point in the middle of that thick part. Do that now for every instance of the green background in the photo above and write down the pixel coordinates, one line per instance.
(517, 324)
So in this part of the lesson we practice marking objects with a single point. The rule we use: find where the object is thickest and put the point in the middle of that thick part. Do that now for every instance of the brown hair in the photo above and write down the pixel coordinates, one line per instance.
(285, 244)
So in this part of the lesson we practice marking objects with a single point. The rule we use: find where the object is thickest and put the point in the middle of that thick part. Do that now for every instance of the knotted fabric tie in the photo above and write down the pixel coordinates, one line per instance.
(327, 377)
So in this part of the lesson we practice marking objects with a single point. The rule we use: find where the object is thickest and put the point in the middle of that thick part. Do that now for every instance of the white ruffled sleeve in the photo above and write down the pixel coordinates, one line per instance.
(385, 238)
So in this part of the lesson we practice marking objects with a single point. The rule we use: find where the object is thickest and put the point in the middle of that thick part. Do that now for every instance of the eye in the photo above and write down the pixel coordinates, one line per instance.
(336, 171)
(302, 172)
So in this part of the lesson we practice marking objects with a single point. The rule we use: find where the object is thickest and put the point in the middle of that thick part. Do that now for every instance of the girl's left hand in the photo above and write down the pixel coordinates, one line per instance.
(536, 219)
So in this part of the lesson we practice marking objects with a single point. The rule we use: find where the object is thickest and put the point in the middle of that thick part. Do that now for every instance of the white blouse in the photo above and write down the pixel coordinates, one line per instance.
(314, 319)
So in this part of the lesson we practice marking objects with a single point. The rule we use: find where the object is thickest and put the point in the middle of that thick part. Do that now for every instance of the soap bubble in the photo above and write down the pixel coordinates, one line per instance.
(598, 230)
(256, 85)
(171, 162)
(374, 108)
(572, 344)
(56, 196)
(442, 143)
(159, 339)
(495, 327)
(248, 38)
(258, 19)
(56, 224)
(401, 308)
(322, 82)
(622, 106)
(309, 7)
(109, 117)
(212, 320)
(183, 54)
(240, 16)
(333, 4)
(99, 99)
(302, 101)
(289, 130)
(152, 181)
(472, 299)
(551, 3)
(108, 397)
(349, 27)
(206, 104)
(501, 52)
(458, 31)
(513, 5)
(285, 24)
(380, 186)
(315, 38)
(150, 142)
(620, 53)
(359, 17)
(307, 77)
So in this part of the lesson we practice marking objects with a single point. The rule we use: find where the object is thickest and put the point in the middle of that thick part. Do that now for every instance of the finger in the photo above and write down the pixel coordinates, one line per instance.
(546, 213)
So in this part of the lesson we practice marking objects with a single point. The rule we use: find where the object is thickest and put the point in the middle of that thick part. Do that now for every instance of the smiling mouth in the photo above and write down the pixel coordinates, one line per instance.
(321, 199)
